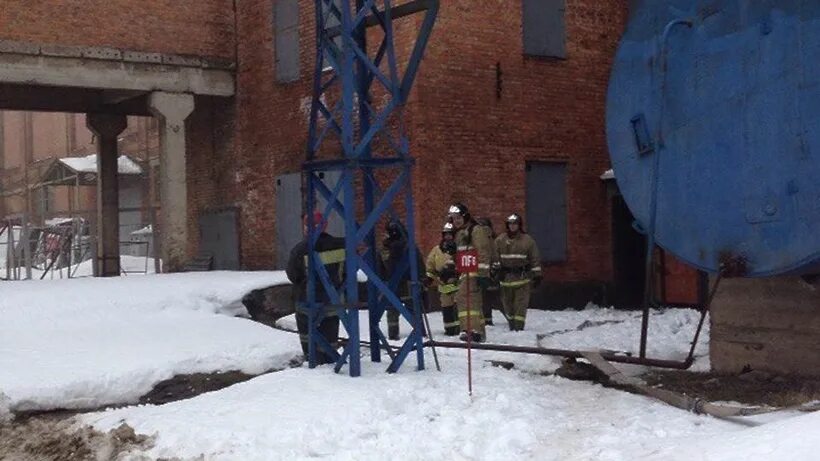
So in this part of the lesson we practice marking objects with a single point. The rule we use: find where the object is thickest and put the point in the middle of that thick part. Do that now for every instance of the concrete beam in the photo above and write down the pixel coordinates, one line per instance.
(114, 97)
(107, 127)
(172, 109)
(77, 100)
(114, 73)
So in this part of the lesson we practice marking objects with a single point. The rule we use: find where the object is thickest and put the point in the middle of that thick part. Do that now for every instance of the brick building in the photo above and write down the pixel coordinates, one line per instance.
(497, 119)
(503, 117)
(507, 114)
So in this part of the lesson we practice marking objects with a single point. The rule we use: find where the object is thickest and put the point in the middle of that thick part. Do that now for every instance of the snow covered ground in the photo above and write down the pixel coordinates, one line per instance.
(670, 333)
(517, 414)
(412, 415)
(71, 348)
(303, 413)
(85, 343)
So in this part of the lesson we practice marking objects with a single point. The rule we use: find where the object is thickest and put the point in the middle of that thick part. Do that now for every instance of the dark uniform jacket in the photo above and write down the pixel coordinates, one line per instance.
(392, 252)
(332, 253)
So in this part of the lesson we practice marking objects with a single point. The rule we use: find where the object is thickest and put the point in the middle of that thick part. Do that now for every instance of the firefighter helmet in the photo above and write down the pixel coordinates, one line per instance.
(515, 218)
(459, 209)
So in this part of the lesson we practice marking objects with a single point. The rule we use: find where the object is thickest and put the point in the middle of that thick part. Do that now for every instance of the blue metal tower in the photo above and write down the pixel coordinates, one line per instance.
(356, 129)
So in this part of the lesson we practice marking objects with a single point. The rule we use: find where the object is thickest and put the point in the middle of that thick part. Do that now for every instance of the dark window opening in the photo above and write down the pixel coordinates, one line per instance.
(546, 200)
(544, 28)
(286, 39)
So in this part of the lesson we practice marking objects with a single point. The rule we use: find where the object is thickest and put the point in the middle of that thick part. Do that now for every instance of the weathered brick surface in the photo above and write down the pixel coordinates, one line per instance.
(211, 162)
(470, 144)
(196, 27)
(473, 145)
(271, 124)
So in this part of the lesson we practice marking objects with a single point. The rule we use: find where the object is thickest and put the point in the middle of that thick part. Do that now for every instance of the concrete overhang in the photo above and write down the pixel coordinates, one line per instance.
(102, 68)
(69, 99)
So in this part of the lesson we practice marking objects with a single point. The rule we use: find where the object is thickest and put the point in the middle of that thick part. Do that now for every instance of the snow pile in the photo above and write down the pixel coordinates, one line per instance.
(85, 343)
(303, 413)
(58, 221)
(144, 231)
(5, 408)
(88, 164)
(789, 439)
(91, 342)
(670, 334)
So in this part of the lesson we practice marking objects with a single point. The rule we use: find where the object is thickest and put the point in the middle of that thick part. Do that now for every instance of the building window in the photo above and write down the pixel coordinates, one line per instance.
(544, 28)
(45, 200)
(546, 198)
(286, 37)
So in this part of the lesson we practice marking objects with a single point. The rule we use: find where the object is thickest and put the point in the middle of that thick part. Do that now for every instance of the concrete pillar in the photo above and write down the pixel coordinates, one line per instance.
(106, 128)
(172, 109)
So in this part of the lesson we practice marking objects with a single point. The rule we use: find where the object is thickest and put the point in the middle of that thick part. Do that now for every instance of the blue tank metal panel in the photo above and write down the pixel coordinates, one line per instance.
(713, 126)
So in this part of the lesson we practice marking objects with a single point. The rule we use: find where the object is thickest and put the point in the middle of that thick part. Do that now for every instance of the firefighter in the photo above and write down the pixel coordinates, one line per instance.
(490, 296)
(394, 247)
(517, 265)
(470, 235)
(331, 252)
(441, 271)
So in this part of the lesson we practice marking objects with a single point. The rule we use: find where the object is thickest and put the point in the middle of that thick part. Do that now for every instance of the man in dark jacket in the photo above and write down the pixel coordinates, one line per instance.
(394, 247)
(331, 252)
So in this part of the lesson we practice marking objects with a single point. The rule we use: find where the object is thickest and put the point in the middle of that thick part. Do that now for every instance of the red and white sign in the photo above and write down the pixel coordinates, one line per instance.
(467, 261)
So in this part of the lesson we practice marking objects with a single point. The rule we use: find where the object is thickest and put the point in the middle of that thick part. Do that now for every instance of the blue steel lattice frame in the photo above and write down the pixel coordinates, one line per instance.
(345, 70)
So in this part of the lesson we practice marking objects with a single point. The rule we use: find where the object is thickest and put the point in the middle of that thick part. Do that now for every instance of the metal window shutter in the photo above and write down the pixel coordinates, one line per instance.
(289, 210)
(546, 200)
(219, 239)
(288, 222)
(286, 39)
(544, 28)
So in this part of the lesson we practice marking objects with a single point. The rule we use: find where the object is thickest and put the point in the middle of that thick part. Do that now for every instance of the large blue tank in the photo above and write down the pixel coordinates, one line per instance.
(713, 126)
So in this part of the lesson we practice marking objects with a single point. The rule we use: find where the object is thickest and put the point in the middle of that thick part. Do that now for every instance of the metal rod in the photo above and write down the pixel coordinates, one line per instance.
(24, 240)
(430, 334)
(11, 251)
(704, 311)
(649, 282)
(469, 344)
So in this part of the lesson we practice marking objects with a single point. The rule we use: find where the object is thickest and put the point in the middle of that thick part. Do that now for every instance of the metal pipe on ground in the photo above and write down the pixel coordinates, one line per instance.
(661, 363)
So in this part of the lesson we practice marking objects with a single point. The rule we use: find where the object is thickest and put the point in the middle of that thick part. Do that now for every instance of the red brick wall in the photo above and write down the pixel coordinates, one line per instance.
(548, 110)
(682, 283)
(271, 125)
(198, 27)
(211, 162)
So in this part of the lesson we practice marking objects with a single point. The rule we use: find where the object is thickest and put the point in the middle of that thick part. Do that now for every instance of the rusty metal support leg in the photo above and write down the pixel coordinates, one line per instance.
(703, 313)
